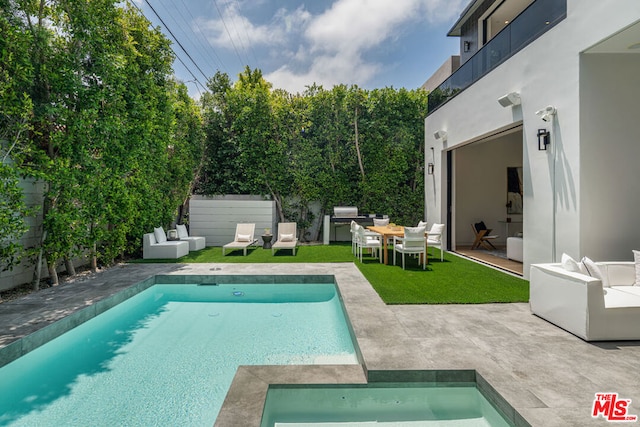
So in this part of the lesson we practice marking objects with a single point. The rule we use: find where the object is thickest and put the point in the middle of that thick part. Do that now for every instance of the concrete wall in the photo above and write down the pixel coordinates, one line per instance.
(216, 218)
(23, 273)
(547, 72)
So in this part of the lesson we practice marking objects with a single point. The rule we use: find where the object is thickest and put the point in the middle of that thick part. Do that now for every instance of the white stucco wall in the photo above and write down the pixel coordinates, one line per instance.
(610, 156)
(546, 72)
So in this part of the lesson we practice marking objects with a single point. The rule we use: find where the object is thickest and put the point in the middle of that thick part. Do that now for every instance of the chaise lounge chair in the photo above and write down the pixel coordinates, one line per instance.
(287, 237)
(243, 238)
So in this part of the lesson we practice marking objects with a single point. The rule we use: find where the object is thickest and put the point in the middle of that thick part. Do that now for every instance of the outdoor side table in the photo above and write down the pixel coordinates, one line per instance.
(266, 241)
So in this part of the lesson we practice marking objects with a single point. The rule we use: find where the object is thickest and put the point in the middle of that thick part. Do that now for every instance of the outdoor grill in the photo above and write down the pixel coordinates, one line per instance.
(343, 215)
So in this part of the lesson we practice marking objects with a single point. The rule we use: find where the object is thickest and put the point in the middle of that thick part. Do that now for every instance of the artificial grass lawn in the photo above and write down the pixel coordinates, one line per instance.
(456, 280)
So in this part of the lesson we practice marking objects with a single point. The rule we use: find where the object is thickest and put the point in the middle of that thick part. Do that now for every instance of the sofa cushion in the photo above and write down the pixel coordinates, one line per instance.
(286, 237)
(572, 265)
(618, 298)
(594, 271)
(182, 231)
(636, 258)
(634, 290)
(160, 235)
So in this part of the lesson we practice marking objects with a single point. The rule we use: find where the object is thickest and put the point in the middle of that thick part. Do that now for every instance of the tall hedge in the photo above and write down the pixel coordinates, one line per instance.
(339, 146)
(115, 138)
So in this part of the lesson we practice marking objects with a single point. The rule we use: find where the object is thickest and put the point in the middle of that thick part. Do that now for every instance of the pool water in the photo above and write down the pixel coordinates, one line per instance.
(385, 404)
(167, 355)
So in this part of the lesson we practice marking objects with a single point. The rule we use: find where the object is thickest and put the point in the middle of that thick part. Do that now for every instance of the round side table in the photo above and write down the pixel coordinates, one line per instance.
(266, 241)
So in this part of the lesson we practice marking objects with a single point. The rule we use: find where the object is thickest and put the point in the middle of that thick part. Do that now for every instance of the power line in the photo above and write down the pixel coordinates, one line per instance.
(195, 79)
(246, 33)
(195, 21)
(182, 24)
(176, 40)
(227, 30)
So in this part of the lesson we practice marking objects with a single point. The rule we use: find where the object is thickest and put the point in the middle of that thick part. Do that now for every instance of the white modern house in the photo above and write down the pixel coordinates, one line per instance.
(548, 93)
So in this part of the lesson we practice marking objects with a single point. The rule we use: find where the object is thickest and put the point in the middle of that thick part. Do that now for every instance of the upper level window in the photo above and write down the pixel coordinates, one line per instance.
(498, 16)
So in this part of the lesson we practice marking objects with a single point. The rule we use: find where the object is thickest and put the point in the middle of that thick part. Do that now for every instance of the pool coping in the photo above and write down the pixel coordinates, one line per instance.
(547, 375)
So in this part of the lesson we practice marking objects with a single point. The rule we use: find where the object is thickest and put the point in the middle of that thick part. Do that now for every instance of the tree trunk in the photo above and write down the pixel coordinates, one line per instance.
(68, 264)
(37, 274)
(94, 258)
(358, 144)
(316, 237)
(53, 274)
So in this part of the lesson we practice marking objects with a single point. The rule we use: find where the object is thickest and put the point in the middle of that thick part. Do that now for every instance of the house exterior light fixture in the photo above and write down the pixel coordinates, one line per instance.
(510, 99)
(430, 168)
(544, 139)
(440, 134)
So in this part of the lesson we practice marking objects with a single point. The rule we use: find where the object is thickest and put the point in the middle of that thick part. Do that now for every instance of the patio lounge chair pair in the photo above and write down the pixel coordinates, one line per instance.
(244, 237)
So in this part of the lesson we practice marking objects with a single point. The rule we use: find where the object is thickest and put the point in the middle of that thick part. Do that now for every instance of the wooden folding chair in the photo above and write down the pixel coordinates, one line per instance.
(482, 236)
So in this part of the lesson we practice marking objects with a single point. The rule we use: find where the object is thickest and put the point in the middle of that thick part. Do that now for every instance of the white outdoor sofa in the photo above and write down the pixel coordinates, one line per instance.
(151, 249)
(581, 304)
(195, 242)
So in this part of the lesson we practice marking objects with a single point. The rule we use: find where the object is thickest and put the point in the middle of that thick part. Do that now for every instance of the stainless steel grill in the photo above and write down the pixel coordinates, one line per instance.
(345, 211)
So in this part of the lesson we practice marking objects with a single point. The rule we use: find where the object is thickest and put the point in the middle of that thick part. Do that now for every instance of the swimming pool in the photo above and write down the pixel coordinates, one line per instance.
(410, 404)
(167, 355)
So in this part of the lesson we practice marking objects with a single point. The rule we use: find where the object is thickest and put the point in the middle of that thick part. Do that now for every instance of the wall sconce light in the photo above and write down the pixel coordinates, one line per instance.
(430, 168)
(544, 139)
(466, 46)
(510, 99)
(440, 134)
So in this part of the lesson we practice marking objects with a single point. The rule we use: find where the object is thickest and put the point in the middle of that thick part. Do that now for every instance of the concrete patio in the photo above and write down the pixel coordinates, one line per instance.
(549, 376)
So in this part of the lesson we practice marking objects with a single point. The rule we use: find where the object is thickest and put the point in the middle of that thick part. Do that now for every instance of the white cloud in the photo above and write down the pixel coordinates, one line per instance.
(327, 48)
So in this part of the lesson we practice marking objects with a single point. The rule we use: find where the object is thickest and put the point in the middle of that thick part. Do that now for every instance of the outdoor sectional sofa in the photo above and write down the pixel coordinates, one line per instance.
(152, 249)
(582, 305)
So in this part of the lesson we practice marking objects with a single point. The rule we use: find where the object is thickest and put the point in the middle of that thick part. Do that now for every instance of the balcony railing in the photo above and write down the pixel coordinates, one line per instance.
(534, 21)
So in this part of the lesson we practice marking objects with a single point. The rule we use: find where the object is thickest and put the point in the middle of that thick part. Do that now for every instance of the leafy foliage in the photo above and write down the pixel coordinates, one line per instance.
(344, 146)
(116, 140)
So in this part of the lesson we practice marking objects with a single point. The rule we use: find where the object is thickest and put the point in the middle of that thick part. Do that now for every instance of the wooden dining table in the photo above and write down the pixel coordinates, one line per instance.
(387, 231)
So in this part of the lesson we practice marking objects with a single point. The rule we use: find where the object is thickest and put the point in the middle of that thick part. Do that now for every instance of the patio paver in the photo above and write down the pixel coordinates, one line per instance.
(548, 375)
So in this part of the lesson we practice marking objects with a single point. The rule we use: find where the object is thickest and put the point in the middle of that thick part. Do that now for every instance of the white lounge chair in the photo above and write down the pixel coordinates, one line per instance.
(243, 238)
(287, 237)
(195, 242)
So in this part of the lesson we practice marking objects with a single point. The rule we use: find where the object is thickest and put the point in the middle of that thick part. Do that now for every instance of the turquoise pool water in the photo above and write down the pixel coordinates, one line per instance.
(166, 356)
(387, 404)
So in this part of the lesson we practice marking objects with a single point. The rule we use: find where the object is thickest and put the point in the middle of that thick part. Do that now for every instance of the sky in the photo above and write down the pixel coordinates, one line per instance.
(370, 43)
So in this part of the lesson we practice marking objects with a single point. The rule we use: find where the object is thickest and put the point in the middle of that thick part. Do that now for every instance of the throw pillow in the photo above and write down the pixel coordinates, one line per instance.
(572, 265)
(244, 238)
(286, 237)
(182, 231)
(636, 258)
(595, 271)
(160, 235)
